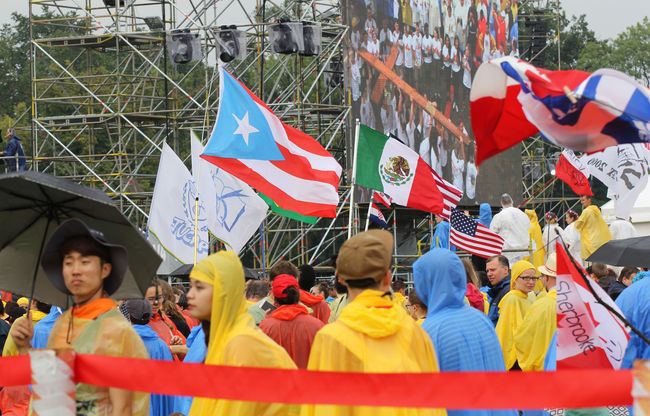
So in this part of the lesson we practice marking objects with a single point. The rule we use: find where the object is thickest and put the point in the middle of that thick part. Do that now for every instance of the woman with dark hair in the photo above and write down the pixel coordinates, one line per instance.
(290, 324)
(160, 321)
(572, 236)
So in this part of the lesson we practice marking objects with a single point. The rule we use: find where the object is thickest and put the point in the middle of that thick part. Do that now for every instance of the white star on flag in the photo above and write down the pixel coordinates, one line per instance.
(244, 127)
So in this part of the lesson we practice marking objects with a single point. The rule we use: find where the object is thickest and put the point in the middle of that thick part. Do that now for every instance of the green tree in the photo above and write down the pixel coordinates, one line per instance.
(629, 52)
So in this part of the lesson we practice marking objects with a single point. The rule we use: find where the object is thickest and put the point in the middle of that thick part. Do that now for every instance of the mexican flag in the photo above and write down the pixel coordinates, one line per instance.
(387, 165)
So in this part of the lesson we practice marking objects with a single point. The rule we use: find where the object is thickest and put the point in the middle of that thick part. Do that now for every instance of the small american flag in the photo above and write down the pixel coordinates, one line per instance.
(450, 195)
(382, 198)
(473, 237)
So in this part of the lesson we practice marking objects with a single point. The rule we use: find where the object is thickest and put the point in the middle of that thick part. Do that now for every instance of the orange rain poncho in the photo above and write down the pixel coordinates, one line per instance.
(373, 334)
(235, 340)
(512, 309)
(99, 328)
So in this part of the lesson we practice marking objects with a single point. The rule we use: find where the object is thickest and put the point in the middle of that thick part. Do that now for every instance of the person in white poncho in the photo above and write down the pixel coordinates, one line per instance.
(550, 233)
(512, 225)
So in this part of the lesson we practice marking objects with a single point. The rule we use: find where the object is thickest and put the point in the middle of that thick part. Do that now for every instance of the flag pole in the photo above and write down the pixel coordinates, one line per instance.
(368, 213)
(353, 176)
(196, 227)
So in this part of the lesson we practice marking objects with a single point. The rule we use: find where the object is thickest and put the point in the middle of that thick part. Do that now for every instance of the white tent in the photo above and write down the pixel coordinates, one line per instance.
(640, 213)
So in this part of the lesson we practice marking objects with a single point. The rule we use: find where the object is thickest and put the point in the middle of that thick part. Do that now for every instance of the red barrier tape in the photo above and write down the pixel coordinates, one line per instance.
(521, 390)
(16, 371)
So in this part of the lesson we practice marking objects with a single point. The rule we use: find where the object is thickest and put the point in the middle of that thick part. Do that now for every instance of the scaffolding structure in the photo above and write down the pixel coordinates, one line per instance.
(106, 96)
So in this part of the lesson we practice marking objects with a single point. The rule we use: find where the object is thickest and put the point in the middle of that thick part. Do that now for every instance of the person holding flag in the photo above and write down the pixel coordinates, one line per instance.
(536, 242)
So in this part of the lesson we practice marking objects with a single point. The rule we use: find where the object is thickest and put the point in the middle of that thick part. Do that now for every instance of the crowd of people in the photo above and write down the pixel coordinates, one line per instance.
(452, 316)
(436, 48)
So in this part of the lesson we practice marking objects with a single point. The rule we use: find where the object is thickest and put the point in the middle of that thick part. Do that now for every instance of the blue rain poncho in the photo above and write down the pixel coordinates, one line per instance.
(485, 214)
(634, 304)
(196, 354)
(464, 338)
(441, 236)
(159, 405)
(43, 328)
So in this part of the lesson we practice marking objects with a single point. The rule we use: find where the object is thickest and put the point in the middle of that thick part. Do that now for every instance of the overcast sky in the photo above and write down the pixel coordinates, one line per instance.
(606, 17)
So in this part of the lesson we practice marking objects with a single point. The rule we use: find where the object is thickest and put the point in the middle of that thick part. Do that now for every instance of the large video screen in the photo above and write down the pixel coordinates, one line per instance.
(409, 69)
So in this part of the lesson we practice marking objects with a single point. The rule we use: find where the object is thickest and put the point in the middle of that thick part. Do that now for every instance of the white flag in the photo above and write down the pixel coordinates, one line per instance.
(603, 165)
(632, 177)
(234, 211)
(173, 212)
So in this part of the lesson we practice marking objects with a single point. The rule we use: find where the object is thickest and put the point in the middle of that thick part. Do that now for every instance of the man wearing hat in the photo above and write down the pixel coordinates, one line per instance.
(534, 334)
(373, 333)
(79, 262)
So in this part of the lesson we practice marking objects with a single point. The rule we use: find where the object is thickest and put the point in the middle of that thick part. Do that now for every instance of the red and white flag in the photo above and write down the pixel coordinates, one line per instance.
(382, 198)
(573, 171)
(588, 335)
(451, 195)
(473, 237)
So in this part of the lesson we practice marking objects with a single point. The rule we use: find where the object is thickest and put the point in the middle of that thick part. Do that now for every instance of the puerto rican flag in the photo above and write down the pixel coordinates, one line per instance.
(512, 100)
(573, 171)
(588, 335)
(253, 144)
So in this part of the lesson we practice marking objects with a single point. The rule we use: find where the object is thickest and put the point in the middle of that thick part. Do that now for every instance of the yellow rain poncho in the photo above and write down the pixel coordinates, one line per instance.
(512, 309)
(10, 348)
(372, 335)
(535, 333)
(536, 240)
(235, 340)
(593, 231)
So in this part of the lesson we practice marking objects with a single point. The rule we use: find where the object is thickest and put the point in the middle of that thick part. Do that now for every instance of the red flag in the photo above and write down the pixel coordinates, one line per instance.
(573, 172)
(588, 335)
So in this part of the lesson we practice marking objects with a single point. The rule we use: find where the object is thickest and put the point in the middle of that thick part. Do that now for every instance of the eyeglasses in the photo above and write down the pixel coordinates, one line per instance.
(529, 278)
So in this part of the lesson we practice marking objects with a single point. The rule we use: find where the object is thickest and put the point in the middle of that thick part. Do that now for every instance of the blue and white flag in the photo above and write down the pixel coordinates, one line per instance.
(172, 217)
(234, 211)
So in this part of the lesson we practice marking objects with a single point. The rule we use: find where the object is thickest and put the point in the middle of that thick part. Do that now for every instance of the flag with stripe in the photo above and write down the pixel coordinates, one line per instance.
(451, 195)
(382, 198)
(376, 216)
(281, 162)
(467, 234)
(512, 100)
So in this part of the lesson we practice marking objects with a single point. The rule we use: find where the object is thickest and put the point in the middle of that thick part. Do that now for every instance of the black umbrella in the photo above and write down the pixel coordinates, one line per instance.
(633, 252)
(33, 204)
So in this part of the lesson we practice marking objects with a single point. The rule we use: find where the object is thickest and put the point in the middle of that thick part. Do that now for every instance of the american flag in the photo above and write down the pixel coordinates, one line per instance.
(450, 195)
(382, 198)
(473, 237)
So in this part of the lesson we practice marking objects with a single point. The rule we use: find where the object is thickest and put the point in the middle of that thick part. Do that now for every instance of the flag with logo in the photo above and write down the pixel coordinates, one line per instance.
(468, 234)
(572, 171)
(588, 335)
(387, 165)
(173, 213)
(234, 212)
(283, 163)
(511, 100)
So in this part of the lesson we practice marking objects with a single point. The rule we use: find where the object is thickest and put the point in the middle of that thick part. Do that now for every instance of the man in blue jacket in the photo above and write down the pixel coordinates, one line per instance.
(13, 149)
